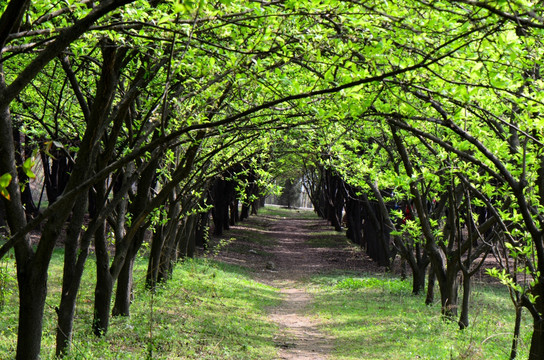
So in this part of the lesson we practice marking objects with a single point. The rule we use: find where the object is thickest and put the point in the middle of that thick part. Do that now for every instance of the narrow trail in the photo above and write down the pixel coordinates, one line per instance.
(293, 253)
(293, 260)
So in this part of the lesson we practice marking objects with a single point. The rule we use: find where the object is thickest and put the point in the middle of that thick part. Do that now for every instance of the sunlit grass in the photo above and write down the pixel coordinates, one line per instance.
(207, 311)
(282, 212)
(376, 317)
(211, 310)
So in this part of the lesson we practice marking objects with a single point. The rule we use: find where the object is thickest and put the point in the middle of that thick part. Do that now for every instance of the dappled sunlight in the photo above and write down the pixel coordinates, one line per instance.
(393, 324)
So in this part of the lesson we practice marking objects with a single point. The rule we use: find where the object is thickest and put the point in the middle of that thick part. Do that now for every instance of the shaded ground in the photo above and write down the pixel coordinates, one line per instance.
(283, 252)
(290, 248)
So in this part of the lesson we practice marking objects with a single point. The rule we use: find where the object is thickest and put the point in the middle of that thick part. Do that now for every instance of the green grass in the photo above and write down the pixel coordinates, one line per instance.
(373, 317)
(278, 211)
(330, 239)
(207, 311)
(211, 310)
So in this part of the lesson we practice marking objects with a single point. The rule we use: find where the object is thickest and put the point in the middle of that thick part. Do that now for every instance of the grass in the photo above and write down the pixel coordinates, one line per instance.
(329, 239)
(375, 317)
(282, 212)
(211, 310)
(207, 311)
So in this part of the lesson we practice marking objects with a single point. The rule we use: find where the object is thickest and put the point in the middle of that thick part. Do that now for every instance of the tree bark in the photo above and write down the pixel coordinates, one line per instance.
(517, 328)
(104, 284)
(186, 246)
(431, 280)
(449, 293)
(201, 234)
(32, 294)
(354, 220)
(26, 194)
(71, 278)
(463, 319)
(123, 295)
(536, 351)
(234, 212)
(154, 257)
(167, 252)
(32, 285)
(418, 279)
(245, 211)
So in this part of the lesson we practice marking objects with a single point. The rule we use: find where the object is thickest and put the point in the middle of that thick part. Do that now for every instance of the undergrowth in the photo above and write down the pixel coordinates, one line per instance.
(376, 317)
(207, 310)
(210, 310)
(283, 212)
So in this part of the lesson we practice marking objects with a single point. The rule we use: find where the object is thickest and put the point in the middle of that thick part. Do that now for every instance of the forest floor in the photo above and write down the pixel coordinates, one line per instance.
(289, 250)
(280, 285)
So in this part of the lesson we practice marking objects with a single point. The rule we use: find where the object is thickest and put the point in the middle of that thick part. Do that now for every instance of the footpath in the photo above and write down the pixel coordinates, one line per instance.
(289, 251)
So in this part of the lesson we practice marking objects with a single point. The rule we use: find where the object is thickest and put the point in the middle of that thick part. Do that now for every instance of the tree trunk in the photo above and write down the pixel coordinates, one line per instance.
(201, 235)
(449, 293)
(56, 174)
(234, 212)
(370, 232)
(354, 221)
(104, 284)
(536, 351)
(68, 300)
(517, 328)
(71, 278)
(220, 211)
(102, 304)
(2, 218)
(191, 241)
(255, 205)
(162, 250)
(154, 258)
(187, 241)
(245, 212)
(32, 285)
(375, 235)
(32, 294)
(169, 249)
(418, 279)
(463, 319)
(32, 278)
(429, 299)
(123, 294)
(26, 194)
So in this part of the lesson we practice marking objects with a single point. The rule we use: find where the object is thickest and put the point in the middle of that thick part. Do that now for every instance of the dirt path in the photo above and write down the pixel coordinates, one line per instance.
(300, 337)
(294, 259)
(294, 256)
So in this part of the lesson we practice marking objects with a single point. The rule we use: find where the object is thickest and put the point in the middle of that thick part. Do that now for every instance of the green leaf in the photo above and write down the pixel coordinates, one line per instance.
(5, 193)
(27, 168)
(5, 180)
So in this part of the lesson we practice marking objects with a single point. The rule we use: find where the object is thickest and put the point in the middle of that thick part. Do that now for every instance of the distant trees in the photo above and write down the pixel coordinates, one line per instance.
(290, 195)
